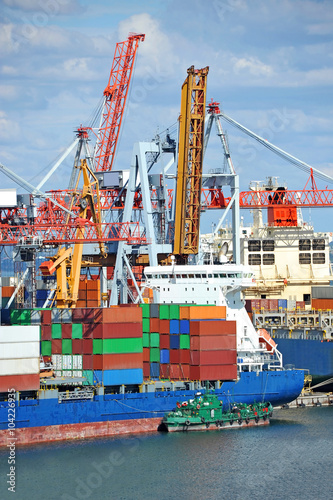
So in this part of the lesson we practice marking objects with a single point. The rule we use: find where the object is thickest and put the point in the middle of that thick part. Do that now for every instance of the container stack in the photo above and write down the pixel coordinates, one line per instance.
(19, 358)
(188, 343)
(89, 293)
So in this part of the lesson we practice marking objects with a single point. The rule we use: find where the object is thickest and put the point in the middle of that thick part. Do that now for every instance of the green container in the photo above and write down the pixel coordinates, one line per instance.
(89, 375)
(56, 331)
(154, 354)
(184, 341)
(154, 340)
(97, 346)
(66, 346)
(174, 311)
(145, 340)
(145, 325)
(122, 346)
(20, 316)
(46, 348)
(145, 310)
(76, 331)
(164, 311)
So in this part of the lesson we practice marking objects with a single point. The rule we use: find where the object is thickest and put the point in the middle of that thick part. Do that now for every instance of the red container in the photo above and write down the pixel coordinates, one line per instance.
(46, 332)
(154, 325)
(19, 382)
(122, 361)
(146, 354)
(164, 326)
(174, 355)
(213, 372)
(97, 362)
(87, 346)
(225, 357)
(164, 341)
(175, 373)
(185, 371)
(97, 330)
(116, 314)
(273, 304)
(83, 315)
(213, 343)
(56, 346)
(66, 331)
(88, 330)
(87, 362)
(46, 317)
(213, 327)
(164, 370)
(146, 369)
(122, 330)
(322, 304)
(184, 356)
(77, 346)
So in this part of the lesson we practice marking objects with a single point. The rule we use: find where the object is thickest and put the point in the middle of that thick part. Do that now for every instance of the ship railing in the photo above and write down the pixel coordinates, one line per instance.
(75, 395)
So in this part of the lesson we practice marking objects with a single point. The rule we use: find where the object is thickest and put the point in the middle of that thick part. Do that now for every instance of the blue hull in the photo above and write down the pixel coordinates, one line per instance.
(276, 387)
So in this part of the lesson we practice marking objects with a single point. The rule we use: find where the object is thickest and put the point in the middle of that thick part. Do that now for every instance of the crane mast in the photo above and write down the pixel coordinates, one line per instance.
(190, 160)
(115, 95)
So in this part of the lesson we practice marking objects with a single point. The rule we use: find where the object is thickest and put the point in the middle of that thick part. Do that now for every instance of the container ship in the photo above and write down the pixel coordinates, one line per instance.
(293, 296)
(119, 369)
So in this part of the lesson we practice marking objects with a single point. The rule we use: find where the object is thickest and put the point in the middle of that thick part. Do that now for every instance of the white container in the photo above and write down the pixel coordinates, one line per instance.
(57, 361)
(19, 333)
(23, 366)
(18, 350)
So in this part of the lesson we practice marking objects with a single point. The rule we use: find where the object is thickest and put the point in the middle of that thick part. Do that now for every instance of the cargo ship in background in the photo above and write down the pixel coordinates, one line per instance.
(120, 369)
(293, 296)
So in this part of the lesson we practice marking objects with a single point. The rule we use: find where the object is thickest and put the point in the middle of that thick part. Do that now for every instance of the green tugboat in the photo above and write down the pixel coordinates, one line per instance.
(205, 411)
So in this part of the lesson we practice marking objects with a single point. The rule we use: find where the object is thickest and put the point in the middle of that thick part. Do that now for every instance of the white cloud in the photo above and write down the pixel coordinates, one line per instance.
(8, 91)
(9, 129)
(251, 65)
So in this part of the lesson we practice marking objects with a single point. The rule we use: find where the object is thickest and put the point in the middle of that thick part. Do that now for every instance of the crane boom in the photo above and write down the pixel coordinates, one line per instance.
(115, 95)
(190, 160)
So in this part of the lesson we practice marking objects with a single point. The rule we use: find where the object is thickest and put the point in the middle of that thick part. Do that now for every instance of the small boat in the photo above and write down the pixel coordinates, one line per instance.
(205, 411)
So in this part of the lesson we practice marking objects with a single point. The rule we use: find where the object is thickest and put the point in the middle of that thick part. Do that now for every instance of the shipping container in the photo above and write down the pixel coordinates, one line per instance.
(211, 343)
(77, 330)
(46, 332)
(154, 310)
(123, 377)
(174, 356)
(87, 362)
(221, 357)
(116, 314)
(20, 333)
(88, 374)
(77, 346)
(83, 315)
(174, 341)
(122, 330)
(174, 311)
(111, 346)
(97, 346)
(123, 361)
(184, 326)
(164, 371)
(66, 331)
(56, 346)
(154, 370)
(56, 330)
(164, 342)
(154, 340)
(145, 310)
(87, 346)
(146, 325)
(146, 369)
(202, 312)
(26, 382)
(145, 339)
(164, 311)
(154, 355)
(184, 355)
(97, 362)
(164, 356)
(322, 304)
(212, 327)
(20, 350)
(154, 325)
(164, 326)
(23, 366)
(67, 346)
(46, 348)
(146, 354)
(174, 326)
(184, 341)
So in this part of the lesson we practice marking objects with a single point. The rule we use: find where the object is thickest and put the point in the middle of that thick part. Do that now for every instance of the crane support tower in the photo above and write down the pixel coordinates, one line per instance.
(115, 95)
(190, 160)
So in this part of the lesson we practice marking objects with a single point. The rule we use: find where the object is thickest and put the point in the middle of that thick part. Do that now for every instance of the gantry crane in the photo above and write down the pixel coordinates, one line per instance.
(190, 160)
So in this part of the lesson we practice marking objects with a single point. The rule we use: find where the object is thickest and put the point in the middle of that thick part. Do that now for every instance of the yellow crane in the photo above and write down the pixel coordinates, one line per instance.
(68, 261)
(190, 160)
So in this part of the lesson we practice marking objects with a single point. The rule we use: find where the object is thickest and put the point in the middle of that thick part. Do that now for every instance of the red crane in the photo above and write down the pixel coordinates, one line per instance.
(115, 96)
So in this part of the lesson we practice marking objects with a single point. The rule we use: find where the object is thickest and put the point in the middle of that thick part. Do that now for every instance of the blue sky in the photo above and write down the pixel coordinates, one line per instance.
(270, 68)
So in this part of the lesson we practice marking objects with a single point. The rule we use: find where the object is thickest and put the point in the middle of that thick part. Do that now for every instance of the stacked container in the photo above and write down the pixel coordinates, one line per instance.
(19, 358)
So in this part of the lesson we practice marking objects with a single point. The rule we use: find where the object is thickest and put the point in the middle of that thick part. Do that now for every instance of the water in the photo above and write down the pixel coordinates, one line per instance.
(292, 459)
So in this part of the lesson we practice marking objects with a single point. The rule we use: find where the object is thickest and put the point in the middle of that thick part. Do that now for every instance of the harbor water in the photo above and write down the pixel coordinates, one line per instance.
(292, 459)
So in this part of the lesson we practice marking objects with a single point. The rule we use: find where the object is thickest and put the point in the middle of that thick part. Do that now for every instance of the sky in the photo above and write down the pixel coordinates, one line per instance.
(270, 68)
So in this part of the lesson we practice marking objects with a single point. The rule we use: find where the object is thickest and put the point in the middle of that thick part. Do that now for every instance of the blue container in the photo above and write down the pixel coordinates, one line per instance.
(98, 377)
(174, 326)
(164, 356)
(5, 316)
(41, 294)
(174, 341)
(119, 377)
(283, 304)
(184, 326)
(154, 370)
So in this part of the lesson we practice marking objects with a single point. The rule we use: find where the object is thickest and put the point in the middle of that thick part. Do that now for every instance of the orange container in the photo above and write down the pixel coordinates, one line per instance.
(322, 304)
(164, 326)
(212, 327)
(20, 382)
(164, 370)
(97, 362)
(221, 357)
(185, 356)
(7, 291)
(116, 314)
(213, 372)
(202, 312)
(213, 343)
(146, 354)
(155, 325)
(122, 361)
